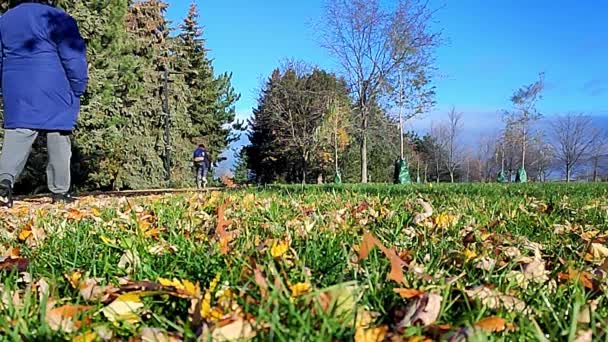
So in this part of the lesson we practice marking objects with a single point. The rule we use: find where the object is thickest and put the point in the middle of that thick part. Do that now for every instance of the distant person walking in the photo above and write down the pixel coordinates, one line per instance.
(202, 162)
(44, 73)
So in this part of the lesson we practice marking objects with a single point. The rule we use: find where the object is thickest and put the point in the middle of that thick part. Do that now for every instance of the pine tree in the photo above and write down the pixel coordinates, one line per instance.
(210, 100)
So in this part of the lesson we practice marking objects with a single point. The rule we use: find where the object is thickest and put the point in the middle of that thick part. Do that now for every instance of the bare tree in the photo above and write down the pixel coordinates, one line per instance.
(598, 152)
(525, 113)
(372, 44)
(437, 146)
(451, 135)
(574, 136)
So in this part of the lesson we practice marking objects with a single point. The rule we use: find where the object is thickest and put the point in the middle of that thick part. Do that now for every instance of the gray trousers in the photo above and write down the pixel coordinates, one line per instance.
(16, 150)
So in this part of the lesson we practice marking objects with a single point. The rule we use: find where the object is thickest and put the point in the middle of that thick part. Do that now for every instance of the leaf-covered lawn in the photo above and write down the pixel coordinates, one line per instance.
(476, 262)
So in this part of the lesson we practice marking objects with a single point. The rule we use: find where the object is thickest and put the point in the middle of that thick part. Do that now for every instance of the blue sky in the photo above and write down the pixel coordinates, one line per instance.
(491, 49)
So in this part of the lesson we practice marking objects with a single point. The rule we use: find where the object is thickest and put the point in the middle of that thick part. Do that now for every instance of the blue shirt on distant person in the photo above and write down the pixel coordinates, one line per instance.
(43, 66)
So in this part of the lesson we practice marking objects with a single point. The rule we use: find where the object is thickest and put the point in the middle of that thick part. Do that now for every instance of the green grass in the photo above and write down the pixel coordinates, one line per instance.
(324, 226)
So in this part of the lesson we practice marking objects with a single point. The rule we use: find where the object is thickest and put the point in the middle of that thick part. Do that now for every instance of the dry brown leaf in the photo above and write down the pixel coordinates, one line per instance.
(423, 311)
(162, 248)
(486, 264)
(238, 329)
(584, 336)
(129, 261)
(584, 277)
(495, 300)
(597, 253)
(535, 271)
(158, 335)
(408, 293)
(260, 280)
(10, 264)
(91, 291)
(9, 298)
(222, 234)
(369, 242)
(492, 324)
(425, 214)
(64, 318)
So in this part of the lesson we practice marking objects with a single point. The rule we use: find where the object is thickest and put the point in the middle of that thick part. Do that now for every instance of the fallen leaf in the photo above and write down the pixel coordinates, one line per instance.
(279, 249)
(64, 318)
(90, 290)
(492, 324)
(340, 301)
(444, 220)
(9, 298)
(158, 335)
(129, 261)
(89, 336)
(185, 288)
(535, 271)
(222, 234)
(495, 300)
(424, 310)
(584, 277)
(369, 242)
(486, 264)
(376, 334)
(584, 336)
(260, 280)
(14, 264)
(125, 308)
(469, 255)
(238, 329)
(425, 214)
(74, 278)
(408, 293)
(597, 253)
(299, 289)
(162, 248)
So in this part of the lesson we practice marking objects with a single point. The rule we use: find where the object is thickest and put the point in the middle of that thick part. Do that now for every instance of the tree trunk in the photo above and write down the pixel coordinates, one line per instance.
(568, 167)
(451, 176)
(523, 149)
(364, 151)
(595, 169)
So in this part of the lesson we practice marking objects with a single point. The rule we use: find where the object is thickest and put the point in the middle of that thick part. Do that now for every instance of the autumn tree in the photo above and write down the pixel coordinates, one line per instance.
(524, 115)
(372, 44)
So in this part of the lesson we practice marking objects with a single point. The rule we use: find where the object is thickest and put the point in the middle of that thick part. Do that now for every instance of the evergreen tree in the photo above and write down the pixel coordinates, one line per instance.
(210, 100)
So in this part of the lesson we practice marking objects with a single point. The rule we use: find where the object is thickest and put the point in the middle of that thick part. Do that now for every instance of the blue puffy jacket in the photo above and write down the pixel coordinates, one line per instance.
(44, 68)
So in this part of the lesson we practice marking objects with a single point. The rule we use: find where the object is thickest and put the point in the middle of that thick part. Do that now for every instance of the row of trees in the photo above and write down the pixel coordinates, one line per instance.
(311, 124)
(124, 136)
(529, 145)
(385, 54)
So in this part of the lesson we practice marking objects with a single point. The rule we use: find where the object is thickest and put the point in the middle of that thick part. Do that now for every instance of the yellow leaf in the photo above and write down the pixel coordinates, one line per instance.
(469, 255)
(88, 336)
(25, 233)
(74, 278)
(107, 240)
(371, 335)
(279, 249)
(186, 286)
(300, 289)
(125, 308)
(444, 220)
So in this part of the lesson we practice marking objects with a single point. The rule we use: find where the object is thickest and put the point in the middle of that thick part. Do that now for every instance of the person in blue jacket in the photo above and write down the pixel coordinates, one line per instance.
(202, 162)
(43, 75)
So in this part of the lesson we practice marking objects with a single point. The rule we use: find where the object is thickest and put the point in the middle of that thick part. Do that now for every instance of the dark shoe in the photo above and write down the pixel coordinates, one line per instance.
(63, 198)
(6, 194)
